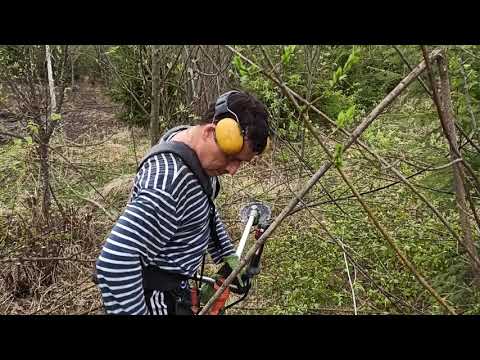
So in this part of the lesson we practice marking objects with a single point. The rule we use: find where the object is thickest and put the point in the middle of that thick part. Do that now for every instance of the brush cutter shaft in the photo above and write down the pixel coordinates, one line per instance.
(243, 240)
(211, 281)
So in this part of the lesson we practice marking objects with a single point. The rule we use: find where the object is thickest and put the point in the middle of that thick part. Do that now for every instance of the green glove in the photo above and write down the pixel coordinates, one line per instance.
(206, 292)
(230, 263)
(242, 281)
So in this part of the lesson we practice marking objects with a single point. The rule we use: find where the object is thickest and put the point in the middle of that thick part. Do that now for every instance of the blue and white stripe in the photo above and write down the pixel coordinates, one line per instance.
(165, 224)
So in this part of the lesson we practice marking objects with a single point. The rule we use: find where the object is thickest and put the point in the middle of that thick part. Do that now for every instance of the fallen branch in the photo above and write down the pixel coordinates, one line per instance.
(392, 298)
(6, 133)
(372, 217)
(93, 202)
(443, 104)
(350, 282)
(33, 259)
(420, 68)
(321, 171)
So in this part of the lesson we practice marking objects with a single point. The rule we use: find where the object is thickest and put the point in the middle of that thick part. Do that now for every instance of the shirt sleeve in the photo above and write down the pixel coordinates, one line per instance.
(147, 223)
(225, 247)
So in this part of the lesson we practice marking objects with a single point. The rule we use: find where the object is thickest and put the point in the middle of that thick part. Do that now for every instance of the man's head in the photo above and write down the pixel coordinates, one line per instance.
(252, 118)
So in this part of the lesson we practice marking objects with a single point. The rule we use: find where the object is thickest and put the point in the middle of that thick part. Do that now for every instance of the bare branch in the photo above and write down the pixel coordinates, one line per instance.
(6, 133)
(372, 217)
(467, 97)
(35, 259)
(350, 282)
(321, 171)
(421, 67)
(427, 90)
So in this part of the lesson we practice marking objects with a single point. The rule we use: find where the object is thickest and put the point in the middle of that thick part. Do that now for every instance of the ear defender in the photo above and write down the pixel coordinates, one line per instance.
(228, 133)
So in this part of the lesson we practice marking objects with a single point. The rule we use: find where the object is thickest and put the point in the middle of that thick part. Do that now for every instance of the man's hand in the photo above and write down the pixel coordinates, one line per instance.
(242, 281)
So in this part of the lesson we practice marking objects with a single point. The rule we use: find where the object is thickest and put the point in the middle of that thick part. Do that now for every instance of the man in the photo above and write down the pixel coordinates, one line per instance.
(168, 224)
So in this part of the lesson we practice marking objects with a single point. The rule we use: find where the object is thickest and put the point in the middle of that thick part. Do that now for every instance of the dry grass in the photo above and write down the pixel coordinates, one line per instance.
(92, 184)
(71, 242)
(60, 282)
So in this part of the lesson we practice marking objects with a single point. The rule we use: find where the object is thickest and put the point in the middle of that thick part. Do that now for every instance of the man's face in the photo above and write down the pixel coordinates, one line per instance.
(215, 162)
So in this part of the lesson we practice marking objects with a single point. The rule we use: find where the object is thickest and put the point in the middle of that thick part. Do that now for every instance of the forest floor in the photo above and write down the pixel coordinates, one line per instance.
(93, 161)
(89, 137)
(92, 179)
(90, 112)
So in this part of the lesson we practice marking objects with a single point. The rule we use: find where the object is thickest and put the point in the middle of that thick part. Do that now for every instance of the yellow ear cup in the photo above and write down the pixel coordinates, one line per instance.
(229, 136)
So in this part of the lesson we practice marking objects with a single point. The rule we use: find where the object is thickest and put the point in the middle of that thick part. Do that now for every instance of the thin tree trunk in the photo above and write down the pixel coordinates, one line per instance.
(154, 123)
(72, 69)
(193, 92)
(467, 97)
(44, 139)
(316, 177)
(389, 166)
(458, 174)
(62, 81)
(51, 85)
(45, 177)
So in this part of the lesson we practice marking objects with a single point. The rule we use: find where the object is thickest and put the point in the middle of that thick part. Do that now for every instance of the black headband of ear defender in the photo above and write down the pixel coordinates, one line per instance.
(221, 106)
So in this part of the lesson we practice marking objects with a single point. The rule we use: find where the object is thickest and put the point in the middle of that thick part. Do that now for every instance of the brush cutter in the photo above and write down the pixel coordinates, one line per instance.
(254, 214)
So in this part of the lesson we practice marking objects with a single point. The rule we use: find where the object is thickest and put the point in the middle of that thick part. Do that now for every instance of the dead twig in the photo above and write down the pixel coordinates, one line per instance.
(55, 258)
(321, 171)
(367, 209)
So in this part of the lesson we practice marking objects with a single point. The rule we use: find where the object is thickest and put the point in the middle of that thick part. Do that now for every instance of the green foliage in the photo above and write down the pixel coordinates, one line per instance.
(379, 69)
(338, 156)
(345, 118)
(32, 128)
(279, 110)
(55, 117)
(126, 59)
(342, 71)
(410, 129)
(246, 72)
(303, 268)
(132, 86)
(303, 274)
(288, 53)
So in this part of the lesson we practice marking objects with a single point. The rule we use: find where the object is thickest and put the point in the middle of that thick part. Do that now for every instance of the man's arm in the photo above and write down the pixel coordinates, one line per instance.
(146, 224)
(225, 248)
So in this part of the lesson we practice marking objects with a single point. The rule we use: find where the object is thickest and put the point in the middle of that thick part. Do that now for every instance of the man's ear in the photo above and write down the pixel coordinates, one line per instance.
(208, 131)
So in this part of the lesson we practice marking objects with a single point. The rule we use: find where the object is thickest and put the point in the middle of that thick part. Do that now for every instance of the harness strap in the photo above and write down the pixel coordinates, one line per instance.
(155, 278)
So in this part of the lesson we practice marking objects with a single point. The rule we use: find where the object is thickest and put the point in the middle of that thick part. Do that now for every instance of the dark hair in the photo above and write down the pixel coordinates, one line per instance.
(252, 115)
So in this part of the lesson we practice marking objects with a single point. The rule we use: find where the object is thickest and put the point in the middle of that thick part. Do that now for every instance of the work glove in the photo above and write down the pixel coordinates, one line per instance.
(242, 280)
(206, 292)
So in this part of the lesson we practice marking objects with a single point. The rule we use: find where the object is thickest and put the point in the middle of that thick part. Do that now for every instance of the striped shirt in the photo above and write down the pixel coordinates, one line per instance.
(165, 225)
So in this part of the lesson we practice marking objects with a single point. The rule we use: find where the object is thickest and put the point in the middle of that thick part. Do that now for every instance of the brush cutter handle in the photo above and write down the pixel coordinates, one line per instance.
(211, 281)
(254, 268)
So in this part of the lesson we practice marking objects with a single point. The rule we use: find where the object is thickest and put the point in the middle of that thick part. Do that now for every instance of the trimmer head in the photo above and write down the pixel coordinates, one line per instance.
(263, 211)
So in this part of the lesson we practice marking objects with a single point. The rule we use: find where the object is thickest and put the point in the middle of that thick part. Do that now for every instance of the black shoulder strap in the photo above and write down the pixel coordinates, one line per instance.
(191, 160)
(188, 156)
